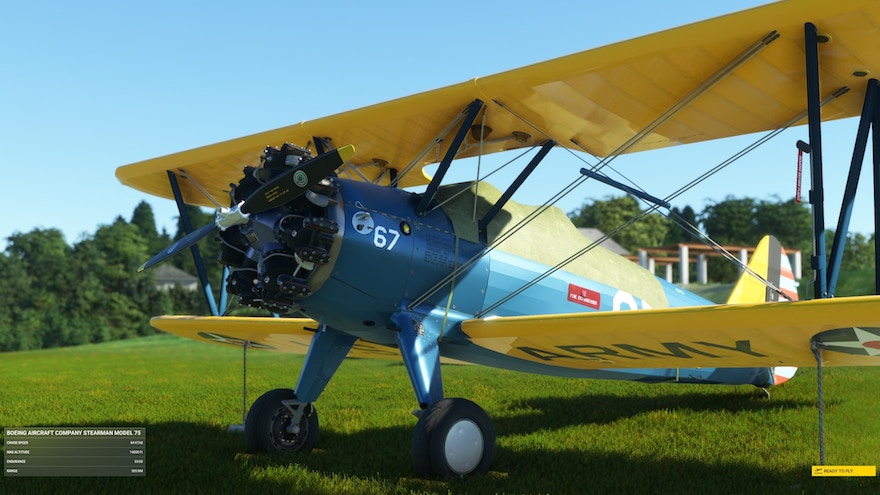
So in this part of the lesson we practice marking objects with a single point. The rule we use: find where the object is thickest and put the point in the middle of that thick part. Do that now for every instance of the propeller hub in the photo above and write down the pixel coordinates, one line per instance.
(275, 251)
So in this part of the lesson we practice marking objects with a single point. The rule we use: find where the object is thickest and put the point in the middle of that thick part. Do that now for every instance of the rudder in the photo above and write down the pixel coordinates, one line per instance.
(770, 262)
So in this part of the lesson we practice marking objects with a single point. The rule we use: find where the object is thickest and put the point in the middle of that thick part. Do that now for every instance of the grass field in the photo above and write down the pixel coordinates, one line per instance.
(554, 435)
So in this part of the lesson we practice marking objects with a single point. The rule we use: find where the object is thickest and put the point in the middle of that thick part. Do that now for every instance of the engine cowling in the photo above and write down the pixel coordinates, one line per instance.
(272, 257)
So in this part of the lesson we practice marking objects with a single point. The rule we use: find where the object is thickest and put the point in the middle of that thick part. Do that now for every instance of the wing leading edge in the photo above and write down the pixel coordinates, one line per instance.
(725, 336)
(593, 101)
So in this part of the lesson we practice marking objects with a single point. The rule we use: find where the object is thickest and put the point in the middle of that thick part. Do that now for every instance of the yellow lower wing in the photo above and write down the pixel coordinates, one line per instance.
(278, 334)
(727, 336)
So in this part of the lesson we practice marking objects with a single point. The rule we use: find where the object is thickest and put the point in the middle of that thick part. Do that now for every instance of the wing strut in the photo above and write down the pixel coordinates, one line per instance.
(625, 188)
(868, 121)
(825, 282)
(720, 75)
(473, 109)
(197, 256)
(814, 125)
(484, 222)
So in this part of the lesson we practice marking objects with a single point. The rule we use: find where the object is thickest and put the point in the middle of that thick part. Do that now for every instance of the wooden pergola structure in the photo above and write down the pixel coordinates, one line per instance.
(685, 254)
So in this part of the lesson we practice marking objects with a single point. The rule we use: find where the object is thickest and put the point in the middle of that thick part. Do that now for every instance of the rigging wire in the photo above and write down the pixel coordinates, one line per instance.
(705, 86)
(490, 174)
(198, 186)
(690, 228)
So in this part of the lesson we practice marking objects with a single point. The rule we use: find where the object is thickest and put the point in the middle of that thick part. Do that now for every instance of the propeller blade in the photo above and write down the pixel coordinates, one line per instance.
(278, 191)
(183, 243)
(295, 182)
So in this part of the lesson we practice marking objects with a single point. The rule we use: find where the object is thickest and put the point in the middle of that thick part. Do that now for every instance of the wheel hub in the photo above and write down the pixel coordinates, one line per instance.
(288, 429)
(464, 446)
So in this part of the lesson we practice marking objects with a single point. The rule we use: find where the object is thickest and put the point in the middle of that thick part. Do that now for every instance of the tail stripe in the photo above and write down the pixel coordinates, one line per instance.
(774, 260)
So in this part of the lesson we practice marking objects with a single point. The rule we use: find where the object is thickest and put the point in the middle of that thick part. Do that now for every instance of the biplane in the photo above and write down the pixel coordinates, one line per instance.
(336, 230)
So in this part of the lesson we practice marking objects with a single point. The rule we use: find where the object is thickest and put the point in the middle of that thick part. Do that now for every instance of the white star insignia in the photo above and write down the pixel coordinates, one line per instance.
(863, 337)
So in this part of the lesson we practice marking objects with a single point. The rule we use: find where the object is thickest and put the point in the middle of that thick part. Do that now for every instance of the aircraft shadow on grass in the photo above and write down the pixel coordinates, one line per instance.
(524, 470)
(193, 457)
(363, 454)
(555, 412)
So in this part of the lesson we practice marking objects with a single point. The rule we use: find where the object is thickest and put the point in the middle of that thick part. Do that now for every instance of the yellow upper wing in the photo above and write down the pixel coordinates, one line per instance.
(728, 336)
(594, 100)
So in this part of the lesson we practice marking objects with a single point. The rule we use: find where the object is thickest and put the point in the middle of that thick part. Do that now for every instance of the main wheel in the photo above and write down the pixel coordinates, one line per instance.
(453, 438)
(269, 428)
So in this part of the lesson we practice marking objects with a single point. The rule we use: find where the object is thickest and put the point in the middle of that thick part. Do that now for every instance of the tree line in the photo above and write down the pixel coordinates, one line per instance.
(731, 221)
(57, 294)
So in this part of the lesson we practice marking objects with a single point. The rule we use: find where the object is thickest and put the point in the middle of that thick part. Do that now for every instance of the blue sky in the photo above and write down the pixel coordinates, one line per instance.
(89, 86)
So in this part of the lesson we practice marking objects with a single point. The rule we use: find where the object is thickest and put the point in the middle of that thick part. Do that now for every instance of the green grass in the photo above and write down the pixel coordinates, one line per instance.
(849, 283)
(717, 293)
(554, 435)
(855, 282)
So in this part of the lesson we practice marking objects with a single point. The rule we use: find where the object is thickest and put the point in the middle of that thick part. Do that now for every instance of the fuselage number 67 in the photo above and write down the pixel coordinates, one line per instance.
(381, 237)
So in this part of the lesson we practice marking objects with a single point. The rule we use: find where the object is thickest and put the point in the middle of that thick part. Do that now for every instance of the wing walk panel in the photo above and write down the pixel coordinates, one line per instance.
(727, 336)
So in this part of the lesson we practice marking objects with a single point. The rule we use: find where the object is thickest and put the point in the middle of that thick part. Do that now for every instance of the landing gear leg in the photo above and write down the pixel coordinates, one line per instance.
(283, 420)
(454, 437)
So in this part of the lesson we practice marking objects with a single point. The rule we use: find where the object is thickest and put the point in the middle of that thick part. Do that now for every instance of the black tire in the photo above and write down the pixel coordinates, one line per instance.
(453, 438)
(265, 429)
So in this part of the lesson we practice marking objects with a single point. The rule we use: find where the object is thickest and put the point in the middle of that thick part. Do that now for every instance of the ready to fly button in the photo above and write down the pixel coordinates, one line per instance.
(844, 471)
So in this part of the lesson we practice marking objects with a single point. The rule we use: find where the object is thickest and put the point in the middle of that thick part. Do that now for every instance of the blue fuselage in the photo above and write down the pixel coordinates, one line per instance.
(386, 257)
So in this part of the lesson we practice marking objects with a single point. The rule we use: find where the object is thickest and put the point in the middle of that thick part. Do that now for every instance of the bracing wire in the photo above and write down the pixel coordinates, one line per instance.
(678, 220)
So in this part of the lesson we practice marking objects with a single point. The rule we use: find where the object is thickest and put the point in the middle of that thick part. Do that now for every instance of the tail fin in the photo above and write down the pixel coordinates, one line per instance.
(770, 262)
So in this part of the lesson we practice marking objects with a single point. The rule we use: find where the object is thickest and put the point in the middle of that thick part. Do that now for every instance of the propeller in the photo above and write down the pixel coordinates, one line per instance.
(282, 189)
(178, 246)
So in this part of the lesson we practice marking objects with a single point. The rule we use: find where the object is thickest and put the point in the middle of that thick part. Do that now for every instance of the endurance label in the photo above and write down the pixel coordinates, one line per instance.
(73, 451)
